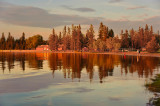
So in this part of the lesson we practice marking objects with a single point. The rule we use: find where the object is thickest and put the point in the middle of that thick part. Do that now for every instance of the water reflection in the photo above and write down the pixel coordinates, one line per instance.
(72, 65)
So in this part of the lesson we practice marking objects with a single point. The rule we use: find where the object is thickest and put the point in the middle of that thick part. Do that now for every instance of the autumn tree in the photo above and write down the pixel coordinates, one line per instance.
(116, 43)
(78, 38)
(141, 36)
(95, 46)
(90, 37)
(53, 41)
(152, 46)
(102, 46)
(67, 40)
(105, 33)
(100, 34)
(125, 41)
(34, 41)
(73, 38)
(109, 44)
(147, 36)
(136, 41)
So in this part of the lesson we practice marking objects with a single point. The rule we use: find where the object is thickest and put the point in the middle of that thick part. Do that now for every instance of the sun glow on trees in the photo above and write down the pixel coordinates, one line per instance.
(73, 39)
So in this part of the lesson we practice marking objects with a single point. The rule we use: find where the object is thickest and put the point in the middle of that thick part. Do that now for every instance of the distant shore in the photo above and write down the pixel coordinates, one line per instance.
(131, 53)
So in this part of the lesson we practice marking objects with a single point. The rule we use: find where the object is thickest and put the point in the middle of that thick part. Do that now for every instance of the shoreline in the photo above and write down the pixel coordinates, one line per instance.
(111, 53)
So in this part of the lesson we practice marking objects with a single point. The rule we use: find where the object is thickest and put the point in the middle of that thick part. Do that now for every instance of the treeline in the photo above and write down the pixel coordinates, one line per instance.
(73, 39)
(10, 43)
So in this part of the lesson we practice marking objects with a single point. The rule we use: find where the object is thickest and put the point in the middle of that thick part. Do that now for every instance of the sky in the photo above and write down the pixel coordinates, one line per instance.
(40, 16)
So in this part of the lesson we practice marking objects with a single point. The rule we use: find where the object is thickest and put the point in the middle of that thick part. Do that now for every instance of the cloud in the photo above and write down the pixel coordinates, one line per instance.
(136, 7)
(115, 1)
(118, 25)
(83, 9)
(37, 17)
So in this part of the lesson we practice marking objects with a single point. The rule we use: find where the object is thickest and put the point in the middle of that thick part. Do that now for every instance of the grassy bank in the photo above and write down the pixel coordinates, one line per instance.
(154, 86)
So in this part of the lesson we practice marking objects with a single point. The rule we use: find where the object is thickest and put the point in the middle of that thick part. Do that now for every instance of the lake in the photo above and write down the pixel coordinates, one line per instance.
(79, 79)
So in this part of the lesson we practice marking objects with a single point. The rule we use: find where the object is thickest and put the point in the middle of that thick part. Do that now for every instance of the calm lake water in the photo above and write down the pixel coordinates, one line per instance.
(75, 79)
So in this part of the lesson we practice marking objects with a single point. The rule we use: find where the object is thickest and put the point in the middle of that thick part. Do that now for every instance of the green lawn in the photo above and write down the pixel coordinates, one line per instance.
(155, 87)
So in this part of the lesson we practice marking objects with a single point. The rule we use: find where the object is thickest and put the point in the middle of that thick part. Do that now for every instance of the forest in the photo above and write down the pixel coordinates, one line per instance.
(73, 39)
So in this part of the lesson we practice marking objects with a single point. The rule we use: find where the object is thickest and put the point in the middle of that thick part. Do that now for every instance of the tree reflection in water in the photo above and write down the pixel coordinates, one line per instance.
(72, 64)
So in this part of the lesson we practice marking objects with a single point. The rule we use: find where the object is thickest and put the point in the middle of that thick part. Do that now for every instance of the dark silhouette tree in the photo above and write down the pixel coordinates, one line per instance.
(10, 42)
(22, 42)
(100, 35)
(2, 42)
(111, 33)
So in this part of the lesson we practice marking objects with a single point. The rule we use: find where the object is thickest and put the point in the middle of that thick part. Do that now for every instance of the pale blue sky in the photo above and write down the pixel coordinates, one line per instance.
(40, 16)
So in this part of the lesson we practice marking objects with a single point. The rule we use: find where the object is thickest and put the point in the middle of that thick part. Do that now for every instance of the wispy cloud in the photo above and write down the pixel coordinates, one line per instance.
(37, 17)
(82, 9)
(136, 7)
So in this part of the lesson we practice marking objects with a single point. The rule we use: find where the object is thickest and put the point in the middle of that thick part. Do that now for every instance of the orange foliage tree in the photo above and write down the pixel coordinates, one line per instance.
(152, 46)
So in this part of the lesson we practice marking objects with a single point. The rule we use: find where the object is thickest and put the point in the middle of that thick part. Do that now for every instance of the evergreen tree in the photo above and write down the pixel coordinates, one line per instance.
(132, 37)
(86, 39)
(53, 40)
(64, 31)
(100, 31)
(105, 33)
(2, 42)
(125, 41)
(60, 38)
(79, 37)
(22, 42)
(17, 45)
(10, 42)
(73, 40)
(90, 35)
(111, 33)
